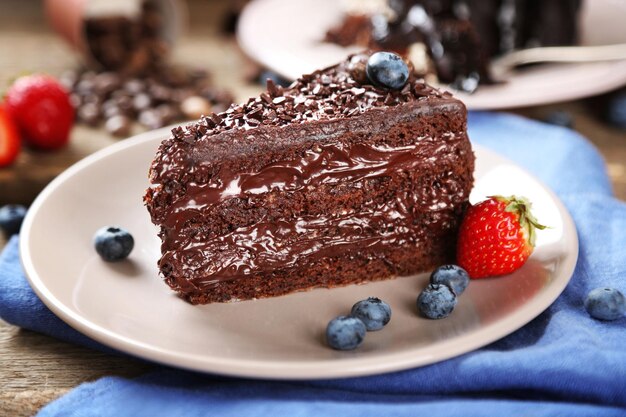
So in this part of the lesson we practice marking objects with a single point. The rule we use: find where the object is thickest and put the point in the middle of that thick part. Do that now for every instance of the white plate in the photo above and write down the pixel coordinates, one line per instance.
(286, 36)
(128, 307)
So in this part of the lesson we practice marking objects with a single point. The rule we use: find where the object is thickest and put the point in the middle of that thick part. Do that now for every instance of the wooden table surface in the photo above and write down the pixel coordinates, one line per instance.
(35, 369)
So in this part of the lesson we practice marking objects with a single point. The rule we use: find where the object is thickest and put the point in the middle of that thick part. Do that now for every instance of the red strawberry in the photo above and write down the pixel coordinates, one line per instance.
(9, 140)
(496, 236)
(42, 110)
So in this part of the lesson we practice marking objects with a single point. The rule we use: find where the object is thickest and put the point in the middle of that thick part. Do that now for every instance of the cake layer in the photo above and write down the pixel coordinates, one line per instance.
(281, 239)
(366, 265)
(182, 166)
(275, 192)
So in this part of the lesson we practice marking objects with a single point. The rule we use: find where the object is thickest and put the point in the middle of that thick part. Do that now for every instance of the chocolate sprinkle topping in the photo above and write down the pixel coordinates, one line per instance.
(337, 91)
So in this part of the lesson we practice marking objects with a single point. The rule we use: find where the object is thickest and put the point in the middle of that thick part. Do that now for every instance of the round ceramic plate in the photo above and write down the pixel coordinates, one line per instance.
(127, 306)
(287, 37)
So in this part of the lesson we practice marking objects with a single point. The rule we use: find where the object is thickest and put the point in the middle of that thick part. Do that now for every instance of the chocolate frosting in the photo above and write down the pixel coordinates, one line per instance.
(337, 92)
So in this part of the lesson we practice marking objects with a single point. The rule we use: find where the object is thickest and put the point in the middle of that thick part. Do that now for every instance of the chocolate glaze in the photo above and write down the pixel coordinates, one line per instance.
(282, 245)
(265, 245)
(323, 164)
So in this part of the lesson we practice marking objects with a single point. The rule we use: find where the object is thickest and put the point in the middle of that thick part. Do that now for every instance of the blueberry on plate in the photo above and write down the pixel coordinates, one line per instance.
(387, 70)
(436, 301)
(373, 312)
(605, 304)
(11, 218)
(345, 333)
(453, 276)
(113, 243)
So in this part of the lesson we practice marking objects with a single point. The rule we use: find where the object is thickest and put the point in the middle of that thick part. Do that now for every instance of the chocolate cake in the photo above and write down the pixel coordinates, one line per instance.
(330, 181)
(461, 36)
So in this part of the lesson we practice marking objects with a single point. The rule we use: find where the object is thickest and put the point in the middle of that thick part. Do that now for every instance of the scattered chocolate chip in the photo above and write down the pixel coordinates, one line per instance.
(279, 100)
(141, 102)
(319, 95)
(272, 88)
(256, 114)
(118, 125)
(111, 112)
(105, 95)
(215, 118)
(160, 93)
(151, 119)
(169, 113)
(85, 85)
(356, 68)
(125, 103)
(106, 82)
(89, 114)
(357, 91)
(134, 86)
(75, 100)
(266, 98)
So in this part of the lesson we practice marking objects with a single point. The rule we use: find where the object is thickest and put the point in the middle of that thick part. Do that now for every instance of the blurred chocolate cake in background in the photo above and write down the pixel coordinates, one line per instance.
(459, 36)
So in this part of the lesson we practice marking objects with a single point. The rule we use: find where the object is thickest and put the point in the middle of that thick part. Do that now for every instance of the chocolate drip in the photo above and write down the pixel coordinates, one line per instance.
(267, 246)
(325, 164)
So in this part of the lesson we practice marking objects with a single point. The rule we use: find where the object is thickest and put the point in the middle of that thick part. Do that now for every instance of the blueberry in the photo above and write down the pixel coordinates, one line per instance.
(616, 109)
(373, 312)
(345, 333)
(113, 243)
(605, 304)
(453, 276)
(436, 301)
(11, 217)
(388, 70)
(560, 118)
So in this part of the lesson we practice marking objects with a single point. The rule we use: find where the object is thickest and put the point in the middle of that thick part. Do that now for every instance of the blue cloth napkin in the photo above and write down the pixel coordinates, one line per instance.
(563, 363)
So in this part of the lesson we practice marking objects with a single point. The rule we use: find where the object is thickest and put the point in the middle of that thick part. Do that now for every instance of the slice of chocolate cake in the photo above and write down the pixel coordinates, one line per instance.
(329, 182)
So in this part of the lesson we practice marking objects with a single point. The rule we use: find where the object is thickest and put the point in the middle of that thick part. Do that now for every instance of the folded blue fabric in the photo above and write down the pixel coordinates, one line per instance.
(563, 363)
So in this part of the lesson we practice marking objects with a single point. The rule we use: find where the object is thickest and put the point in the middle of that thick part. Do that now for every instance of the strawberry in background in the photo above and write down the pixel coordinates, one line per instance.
(41, 108)
(9, 139)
